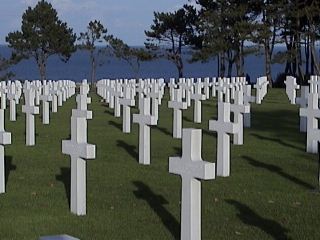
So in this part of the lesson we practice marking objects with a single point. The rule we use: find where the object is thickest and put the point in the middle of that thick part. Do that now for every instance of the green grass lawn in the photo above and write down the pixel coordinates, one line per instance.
(268, 195)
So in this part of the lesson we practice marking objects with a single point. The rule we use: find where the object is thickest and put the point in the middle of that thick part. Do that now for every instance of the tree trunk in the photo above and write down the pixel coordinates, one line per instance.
(218, 65)
(230, 62)
(289, 63)
(42, 64)
(93, 68)
(241, 59)
(179, 65)
(222, 64)
(299, 59)
(307, 55)
(267, 58)
(237, 61)
(314, 58)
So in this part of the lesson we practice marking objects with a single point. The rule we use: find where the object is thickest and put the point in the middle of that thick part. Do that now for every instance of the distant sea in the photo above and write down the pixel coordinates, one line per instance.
(78, 68)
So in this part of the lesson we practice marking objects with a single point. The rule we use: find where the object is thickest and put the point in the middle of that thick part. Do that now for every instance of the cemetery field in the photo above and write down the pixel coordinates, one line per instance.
(269, 194)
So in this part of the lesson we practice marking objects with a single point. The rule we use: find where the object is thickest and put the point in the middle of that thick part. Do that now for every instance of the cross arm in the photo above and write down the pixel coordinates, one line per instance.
(194, 169)
(228, 127)
(82, 150)
(5, 138)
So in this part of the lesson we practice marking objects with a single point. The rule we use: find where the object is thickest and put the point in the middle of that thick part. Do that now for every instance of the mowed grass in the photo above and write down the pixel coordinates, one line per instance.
(268, 195)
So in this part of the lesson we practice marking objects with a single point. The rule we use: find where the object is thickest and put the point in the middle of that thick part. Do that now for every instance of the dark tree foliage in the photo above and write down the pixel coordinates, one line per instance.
(132, 55)
(5, 64)
(42, 35)
(96, 34)
(225, 29)
(170, 33)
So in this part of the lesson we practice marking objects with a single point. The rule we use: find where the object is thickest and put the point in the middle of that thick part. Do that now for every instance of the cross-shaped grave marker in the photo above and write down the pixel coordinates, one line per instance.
(178, 105)
(223, 127)
(197, 97)
(291, 88)
(238, 109)
(127, 102)
(79, 151)
(13, 99)
(45, 97)
(144, 119)
(312, 113)
(192, 169)
(29, 109)
(303, 103)
(5, 139)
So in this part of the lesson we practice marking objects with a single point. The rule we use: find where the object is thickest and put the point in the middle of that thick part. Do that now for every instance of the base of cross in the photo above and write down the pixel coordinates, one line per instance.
(58, 237)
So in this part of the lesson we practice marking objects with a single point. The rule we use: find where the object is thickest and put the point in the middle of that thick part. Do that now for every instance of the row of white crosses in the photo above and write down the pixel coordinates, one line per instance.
(225, 89)
(122, 92)
(79, 151)
(12, 91)
(190, 166)
(45, 91)
(5, 139)
(309, 108)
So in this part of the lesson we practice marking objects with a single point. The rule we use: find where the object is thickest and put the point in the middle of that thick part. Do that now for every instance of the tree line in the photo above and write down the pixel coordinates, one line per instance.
(227, 30)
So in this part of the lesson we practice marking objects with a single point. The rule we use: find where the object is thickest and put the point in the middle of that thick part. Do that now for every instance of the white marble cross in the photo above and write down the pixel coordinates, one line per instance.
(213, 87)
(13, 99)
(221, 90)
(5, 139)
(177, 105)
(303, 103)
(45, 97)
(172, 85)
(312, 113)
(238, 109)
(223, 127)
(3, 92)
(79, 151)
(144, 119)
(197, 97)
(247, 99)
(127, 101)
(206, 86)
(36, 86)
(191, 168)
(54, 94)
(111, 90)
(313, 84)
(29, 109)
(60, 93)
(141, 90)
(182, 84)
(117, 95)
(155, 96)
(291, 88)
(261, 87)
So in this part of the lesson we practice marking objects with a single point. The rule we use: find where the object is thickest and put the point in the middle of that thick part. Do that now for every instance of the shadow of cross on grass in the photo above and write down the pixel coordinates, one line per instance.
(156, 202)
(163, 130)
(278, 170)
(115, 124)
(8, 168)
(249, 217)
(131, 149)
(65, 178)
(186, 119)
(277, 140)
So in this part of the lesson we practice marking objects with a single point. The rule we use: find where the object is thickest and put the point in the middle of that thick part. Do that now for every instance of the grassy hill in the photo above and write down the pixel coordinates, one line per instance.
(268, 195)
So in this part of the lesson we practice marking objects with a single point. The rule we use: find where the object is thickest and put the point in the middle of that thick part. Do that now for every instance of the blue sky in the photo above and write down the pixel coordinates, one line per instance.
(126, 19)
